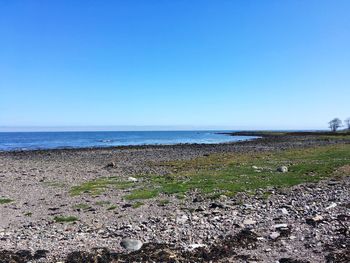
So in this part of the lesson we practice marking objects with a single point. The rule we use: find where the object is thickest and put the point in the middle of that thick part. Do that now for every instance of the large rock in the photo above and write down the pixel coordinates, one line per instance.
(131, 244)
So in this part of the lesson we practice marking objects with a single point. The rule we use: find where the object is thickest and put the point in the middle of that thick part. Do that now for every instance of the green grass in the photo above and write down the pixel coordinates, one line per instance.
(163, 202)
(137, 204)
(65, 219)
(81, 206)
(102, 203)
(229, 174)
(5, 201)
(338, 137)
(112, 207)
(142, 194)
(98, 186)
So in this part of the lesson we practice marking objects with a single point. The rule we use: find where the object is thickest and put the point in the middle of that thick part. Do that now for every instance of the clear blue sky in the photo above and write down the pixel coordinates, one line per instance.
(185, 63)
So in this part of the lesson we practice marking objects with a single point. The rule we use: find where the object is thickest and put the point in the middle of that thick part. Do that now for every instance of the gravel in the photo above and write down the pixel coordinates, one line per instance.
(305, 223)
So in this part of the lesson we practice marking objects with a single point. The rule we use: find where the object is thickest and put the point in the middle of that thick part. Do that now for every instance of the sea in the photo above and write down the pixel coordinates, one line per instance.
(14, 141)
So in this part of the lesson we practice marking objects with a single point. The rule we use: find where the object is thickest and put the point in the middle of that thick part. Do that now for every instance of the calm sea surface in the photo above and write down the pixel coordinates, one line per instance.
(52, 140)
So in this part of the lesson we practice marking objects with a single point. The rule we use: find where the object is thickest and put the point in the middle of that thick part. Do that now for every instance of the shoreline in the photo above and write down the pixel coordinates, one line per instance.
(257, 135)
(141, 145)
(124, 147)
(168, 224)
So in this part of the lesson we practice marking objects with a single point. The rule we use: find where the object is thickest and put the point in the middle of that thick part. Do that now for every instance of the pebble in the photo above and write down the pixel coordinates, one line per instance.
(131, 244)
(280, 226)
(182, 219)
(282, 169)
(284, 211)
(132, 179)
(194, 246)
(249, 222)
(331, 206)
(274, 235)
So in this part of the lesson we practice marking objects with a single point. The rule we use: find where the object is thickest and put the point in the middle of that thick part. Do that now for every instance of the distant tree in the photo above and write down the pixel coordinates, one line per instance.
(347, 123)
(335, 124)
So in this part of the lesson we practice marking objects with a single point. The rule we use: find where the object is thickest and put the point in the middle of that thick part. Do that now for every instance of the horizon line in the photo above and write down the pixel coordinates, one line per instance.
(140, 128)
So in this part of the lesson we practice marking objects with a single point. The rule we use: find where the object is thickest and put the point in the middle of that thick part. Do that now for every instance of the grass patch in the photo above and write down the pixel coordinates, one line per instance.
(98, 186)
(163, 202)
(5, 201)
(229, 173)
(142, 194)
(82, 206)
(102, 203)
(65, 219)
(137, 204)
(232, 173)
(112, 207)
(338, 137)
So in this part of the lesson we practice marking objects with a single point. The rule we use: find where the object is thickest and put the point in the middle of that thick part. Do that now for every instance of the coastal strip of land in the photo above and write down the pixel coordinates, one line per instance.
(283, 197)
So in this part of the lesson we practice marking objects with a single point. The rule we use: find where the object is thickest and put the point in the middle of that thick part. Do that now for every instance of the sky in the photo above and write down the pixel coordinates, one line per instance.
(184, 64)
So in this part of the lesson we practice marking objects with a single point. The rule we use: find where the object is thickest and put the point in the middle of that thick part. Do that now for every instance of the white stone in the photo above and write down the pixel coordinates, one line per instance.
(131, 244)
(194, 246)
(332, 205)
(281, 225)
(274, 235)
(249, 222)
(282, 169)
(182, 219)
(284, 211)
(132, 179)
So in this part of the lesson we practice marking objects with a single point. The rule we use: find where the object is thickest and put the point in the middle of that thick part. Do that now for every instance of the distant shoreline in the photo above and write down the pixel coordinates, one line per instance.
(254, 136)
(112, 140)
(125, 147)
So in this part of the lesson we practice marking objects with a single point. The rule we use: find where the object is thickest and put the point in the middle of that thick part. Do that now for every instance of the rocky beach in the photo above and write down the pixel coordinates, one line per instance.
(141, 203)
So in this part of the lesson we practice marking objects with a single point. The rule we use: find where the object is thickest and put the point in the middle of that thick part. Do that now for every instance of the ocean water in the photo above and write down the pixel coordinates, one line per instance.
(10, 141)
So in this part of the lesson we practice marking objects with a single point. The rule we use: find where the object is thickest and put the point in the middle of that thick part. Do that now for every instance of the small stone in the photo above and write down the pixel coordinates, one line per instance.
(132, 179)
(198, 199)
(131, 244)
(284, 211)
(247, 206)
(332, 205)
(274, 235)
(223, 198)
(182, 219)
(111, 164)
(194, 246)
(277, 226)
(249, 222)
(314, 221)
(200, 209)
(282, 169)
(333, 183)
(216, 205)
